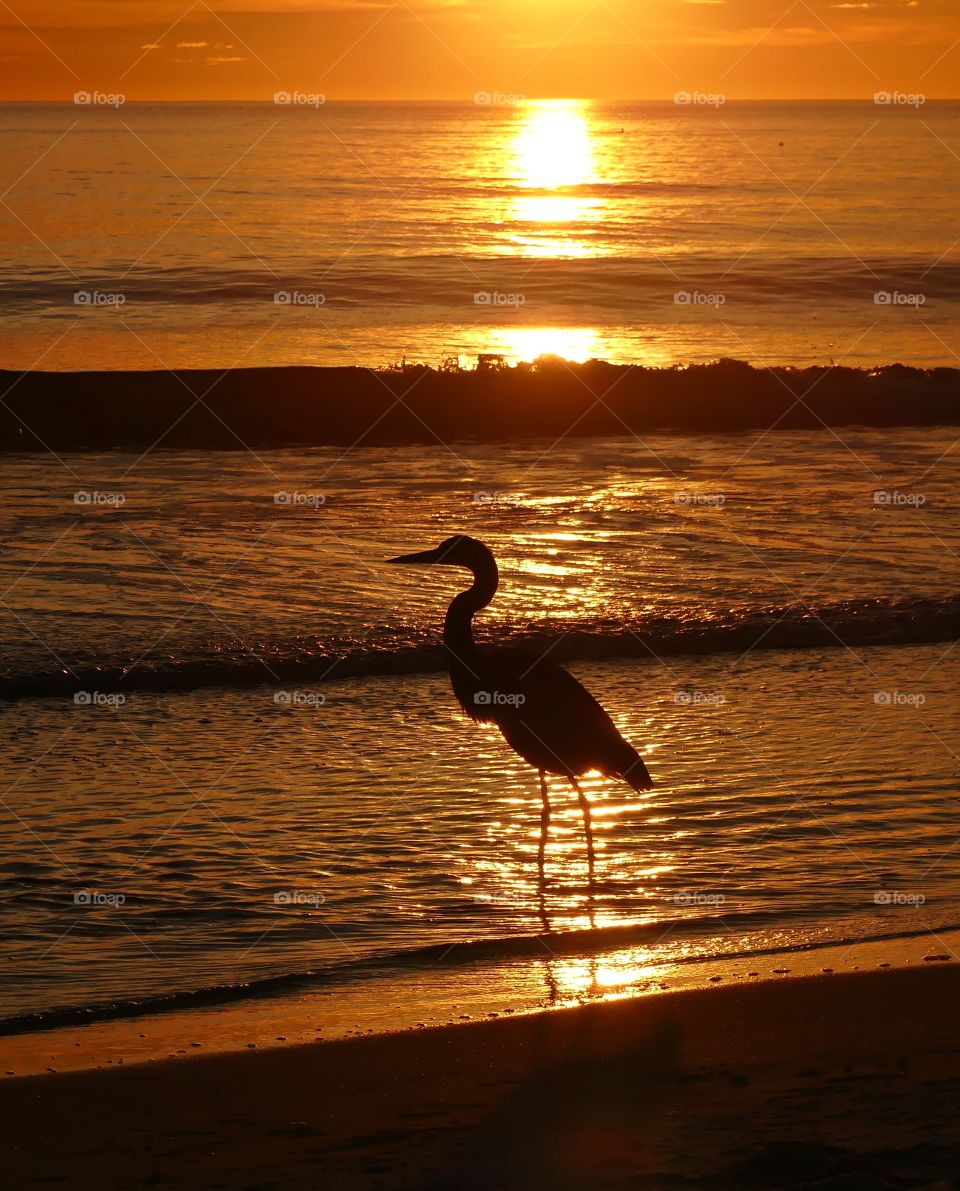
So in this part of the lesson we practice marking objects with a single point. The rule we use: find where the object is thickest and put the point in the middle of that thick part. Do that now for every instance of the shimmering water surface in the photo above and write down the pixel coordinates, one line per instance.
(649, 232)
(168, 829)
(180, 556)
(350, 829)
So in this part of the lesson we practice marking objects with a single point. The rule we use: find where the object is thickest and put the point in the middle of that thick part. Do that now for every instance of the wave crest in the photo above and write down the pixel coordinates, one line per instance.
(792, 626)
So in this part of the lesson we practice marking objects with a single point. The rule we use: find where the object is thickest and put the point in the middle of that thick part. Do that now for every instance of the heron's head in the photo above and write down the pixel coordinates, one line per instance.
(458, 551)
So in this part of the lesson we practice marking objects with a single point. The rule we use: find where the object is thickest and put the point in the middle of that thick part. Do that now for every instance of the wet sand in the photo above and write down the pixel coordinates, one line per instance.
(845, 1081)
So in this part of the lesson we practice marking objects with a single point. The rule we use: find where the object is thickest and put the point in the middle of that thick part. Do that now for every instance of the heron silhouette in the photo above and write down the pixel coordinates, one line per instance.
(544, 713)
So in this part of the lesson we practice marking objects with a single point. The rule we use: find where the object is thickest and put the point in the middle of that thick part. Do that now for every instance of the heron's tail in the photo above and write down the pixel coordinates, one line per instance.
(637, 776)
(631, 769)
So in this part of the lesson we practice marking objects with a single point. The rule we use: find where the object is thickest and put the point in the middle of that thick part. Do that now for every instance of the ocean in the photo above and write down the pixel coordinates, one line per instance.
(233, 768)
(220, 235)
(261, 780)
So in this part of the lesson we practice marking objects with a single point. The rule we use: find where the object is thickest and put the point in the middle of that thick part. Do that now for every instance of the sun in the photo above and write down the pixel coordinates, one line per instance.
(552, 158)
(553, 147)
(576, 344)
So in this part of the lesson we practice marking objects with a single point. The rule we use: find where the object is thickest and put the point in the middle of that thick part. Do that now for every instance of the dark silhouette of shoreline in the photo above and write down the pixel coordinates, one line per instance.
(413, 403)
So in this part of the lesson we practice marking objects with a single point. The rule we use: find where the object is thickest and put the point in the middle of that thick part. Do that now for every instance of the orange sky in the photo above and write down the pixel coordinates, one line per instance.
(422, 49)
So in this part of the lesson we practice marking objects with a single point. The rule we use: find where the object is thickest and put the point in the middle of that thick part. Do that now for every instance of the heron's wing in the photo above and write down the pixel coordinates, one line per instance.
(546, 685)
(544, 712)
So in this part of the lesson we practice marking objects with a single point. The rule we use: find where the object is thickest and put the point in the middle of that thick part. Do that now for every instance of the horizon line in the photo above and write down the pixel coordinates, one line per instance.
(470, 101)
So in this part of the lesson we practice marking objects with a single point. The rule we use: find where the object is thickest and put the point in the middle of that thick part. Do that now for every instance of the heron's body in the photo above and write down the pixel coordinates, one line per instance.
(555, 724)
(544, 713)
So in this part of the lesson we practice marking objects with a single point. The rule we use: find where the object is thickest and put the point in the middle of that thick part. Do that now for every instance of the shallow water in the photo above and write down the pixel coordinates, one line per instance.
(305, 835)
(208, 562)
(195, 841)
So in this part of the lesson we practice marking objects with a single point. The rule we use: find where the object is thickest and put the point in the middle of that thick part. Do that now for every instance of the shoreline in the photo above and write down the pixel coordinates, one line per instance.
(780, 1083)
(340, 1009)
(220, 409)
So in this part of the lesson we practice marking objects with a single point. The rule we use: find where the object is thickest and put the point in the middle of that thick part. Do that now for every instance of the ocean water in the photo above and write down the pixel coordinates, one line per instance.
(778, 233)
(278, 823)
(232, 766)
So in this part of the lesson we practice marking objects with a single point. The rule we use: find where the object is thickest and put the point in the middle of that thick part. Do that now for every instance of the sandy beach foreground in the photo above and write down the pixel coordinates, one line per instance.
(841, 1081)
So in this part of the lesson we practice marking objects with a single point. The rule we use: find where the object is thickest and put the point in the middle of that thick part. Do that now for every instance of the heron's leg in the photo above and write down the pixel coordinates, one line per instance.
(544, 818)
(542, 852)
(587, 823)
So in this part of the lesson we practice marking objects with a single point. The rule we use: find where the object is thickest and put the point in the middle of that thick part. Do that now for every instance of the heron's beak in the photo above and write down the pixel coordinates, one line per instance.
(421, 559)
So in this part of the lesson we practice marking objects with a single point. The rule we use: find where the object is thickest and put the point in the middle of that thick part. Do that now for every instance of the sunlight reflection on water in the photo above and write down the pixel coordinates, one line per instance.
(418, 829)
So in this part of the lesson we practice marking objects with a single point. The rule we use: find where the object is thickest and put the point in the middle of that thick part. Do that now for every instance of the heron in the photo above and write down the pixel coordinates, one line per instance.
(543, 712)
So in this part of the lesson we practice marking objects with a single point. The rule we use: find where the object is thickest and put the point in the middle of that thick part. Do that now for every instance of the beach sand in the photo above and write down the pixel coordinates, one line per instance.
(842, 1081)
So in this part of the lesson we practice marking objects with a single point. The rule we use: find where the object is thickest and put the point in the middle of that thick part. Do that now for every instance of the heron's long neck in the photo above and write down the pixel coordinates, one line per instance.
(457, 627)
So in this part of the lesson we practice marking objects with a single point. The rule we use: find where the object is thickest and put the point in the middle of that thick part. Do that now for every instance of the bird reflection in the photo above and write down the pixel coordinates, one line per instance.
(581, 986)
(542, 869)
(542, 854)
(542, 887)
(551, 982)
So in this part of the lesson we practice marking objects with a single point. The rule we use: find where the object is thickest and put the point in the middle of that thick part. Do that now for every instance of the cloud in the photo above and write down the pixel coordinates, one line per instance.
(219, 59)
(152, 45)
(192, 45)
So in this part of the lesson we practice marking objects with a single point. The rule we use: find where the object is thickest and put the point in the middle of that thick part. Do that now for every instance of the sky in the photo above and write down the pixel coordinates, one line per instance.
(453, 49)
